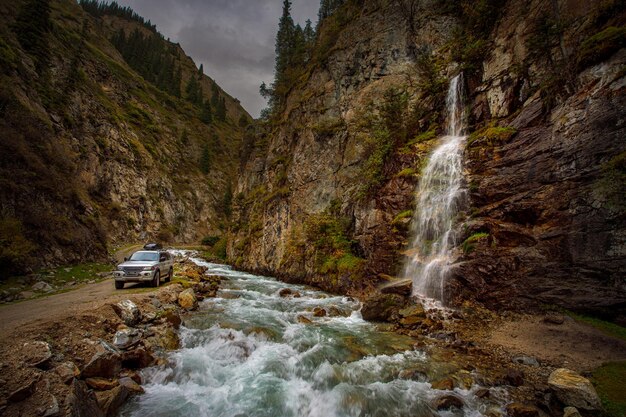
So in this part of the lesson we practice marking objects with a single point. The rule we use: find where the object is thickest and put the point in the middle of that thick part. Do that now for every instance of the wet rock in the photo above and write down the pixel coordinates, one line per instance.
(156, 303)
(132, 375)
(23, 392)
(522, 410)
(526, 360)
(494, 411)
(82, 402)
(165, 338)
(514, 377)
(574, 390)
(128, 312)
(443, 384)
(137, 359)
(187, 299)
(101, 384)
(571, 412)
(67, 371)
(319, 312)
(447, 402)
(554, 319)
(105, 364)
(126, 338)
(171, 316)
(381, 307)
(482, 393)
(304, 320)
(334, 311)
(110, 401)
(402, 287)
(132, 386)
(413, 374)
(37, 354)
(288, 292)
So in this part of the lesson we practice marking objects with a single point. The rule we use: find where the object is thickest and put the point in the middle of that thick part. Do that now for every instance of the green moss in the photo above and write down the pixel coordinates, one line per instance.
(492, 135)
(601, 46)
(469, 244)
(406, 172)
(430, 134)
(401, 216)
(609, 383)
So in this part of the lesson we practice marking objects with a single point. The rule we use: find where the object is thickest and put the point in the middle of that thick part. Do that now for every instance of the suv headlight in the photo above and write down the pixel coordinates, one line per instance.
(148, 268)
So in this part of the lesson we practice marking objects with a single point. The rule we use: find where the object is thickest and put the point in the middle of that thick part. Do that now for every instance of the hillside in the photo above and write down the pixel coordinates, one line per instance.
(326, 192)
(97, 149)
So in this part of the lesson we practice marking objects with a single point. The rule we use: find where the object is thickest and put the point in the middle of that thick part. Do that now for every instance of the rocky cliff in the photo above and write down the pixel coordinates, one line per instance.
(326, 190)
(92, 152)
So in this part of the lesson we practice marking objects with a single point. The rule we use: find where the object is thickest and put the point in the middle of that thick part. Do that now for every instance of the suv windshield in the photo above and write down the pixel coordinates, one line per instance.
(144, 256)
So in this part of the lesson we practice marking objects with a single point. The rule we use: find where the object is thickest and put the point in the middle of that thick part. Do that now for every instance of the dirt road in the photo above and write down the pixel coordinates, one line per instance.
(60, 306)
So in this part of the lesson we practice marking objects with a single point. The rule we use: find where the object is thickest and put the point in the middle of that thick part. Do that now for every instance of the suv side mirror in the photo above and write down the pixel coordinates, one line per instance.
(162, 258)
(125, 258)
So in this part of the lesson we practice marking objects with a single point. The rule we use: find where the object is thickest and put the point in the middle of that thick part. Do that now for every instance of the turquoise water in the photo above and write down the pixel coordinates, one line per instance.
(246, 353)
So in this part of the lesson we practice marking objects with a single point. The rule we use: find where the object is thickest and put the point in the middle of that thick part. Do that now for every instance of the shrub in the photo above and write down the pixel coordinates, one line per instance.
(469, 244)
(209, 240)
(601, 46)
(14, 247)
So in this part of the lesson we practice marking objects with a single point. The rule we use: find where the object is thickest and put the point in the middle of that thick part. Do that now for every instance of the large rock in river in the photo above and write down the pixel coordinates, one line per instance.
(381, 307)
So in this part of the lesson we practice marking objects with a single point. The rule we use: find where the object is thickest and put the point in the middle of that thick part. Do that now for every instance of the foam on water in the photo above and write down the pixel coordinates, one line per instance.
(250, 356)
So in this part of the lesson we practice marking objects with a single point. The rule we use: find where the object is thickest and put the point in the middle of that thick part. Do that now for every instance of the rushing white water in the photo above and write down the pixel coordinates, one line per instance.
(246, 353)
(439, 196)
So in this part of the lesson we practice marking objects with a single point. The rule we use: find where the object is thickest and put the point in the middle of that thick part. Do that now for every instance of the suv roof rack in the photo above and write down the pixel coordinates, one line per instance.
(152, 246)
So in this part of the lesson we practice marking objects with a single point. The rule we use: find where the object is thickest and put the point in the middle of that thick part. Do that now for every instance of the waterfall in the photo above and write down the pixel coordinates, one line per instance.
(439, 197)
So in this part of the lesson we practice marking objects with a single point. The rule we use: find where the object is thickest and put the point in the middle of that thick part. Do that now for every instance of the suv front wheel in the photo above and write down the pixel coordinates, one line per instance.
(119, 285)
(157, 279)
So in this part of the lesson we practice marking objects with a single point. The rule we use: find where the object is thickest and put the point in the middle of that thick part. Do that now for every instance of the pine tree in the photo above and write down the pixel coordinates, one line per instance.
(206, 115)
(191, 90)
(220, 111)
(201, 70)
(31, 28)
(284, 42)
(205, 159)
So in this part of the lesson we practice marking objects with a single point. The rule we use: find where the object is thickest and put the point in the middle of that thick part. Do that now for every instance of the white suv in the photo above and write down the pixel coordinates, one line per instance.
(145, 266)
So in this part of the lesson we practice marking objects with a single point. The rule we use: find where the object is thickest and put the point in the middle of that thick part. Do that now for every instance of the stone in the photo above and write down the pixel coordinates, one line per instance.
(132, 386)
(104, 363)
(522, 410)
(482, 393)
(514, 377)
(42, 286)
(288, 292)
(67, 371)
(334, 311)
(319, 312)
(37, 354)
(402, 287)
(443, 384)
(446, 402)
(23, 392)
(128, 312)
(132, 375)
(381, 307)
(554, 318)
(111, 401)
(187, 299)
(126, 338)
(171, 316)
(303, 319)
(413, 311)
(571, 412)
(101, 384)
(137, 358)
(526, 360)
(52, 410)
(574, 390)
(413, 374)
(81, 402)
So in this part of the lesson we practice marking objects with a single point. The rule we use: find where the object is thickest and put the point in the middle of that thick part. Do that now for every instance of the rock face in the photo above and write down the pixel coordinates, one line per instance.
(544, 159)
(574, 390)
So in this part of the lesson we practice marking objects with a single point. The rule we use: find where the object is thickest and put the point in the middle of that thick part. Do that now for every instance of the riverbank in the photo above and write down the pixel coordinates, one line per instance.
(47, 350)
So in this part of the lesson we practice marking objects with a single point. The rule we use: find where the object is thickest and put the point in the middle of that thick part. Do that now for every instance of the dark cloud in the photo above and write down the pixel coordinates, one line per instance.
(234, 39)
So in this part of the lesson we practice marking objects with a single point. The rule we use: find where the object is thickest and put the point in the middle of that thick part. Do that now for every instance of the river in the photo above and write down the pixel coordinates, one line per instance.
(250, 352)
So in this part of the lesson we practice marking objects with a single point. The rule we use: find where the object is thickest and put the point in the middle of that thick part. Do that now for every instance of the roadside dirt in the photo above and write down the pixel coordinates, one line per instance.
(570, 344)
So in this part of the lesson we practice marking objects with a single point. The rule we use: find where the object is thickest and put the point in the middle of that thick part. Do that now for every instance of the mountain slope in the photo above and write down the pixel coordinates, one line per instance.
(92, 152)
(327, 185)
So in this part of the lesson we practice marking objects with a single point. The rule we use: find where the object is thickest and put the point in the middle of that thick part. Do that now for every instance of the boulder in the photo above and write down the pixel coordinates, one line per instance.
(319, 312)
(402, 287)
(526, 360)
(42, 286)
(444, 384)
(482, 393)
(132, 386)
(126, 338)
(104, 363)
(137, 359)
(288, 292)
(554, 318)
(522, 410)
(170, 315)
(101, 384)
(303, 319)
(110, 401)
(381, 307)
(82, 402)
(334, 311)
(67, 371)
(128, 312)
(446, 402)
(187, 299)
(574, 390)
(37, 354)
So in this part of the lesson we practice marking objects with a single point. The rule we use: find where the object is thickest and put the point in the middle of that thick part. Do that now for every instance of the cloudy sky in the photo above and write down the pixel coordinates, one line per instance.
(234, 39)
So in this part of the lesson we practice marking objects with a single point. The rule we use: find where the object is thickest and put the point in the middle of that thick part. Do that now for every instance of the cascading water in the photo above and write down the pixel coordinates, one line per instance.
(439, 197)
